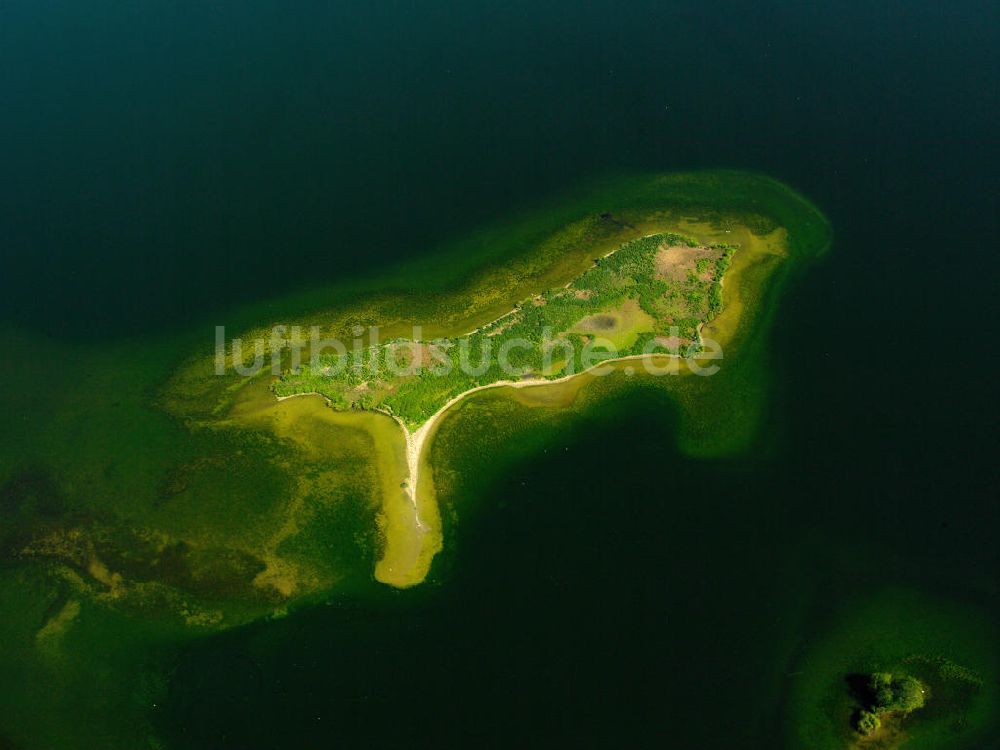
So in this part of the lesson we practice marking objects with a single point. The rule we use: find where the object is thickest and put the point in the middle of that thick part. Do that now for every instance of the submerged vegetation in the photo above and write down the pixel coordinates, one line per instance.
(892, 702)
(903, 671)
(215, 503)
(154, 499)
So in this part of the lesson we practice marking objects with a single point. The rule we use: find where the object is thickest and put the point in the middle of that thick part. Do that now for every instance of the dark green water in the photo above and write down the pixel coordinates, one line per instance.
(164, 164)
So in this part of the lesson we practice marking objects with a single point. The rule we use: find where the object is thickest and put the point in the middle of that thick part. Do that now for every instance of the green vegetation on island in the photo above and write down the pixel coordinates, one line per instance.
(202, 499)
(905, 670)
(652, 295)
(889, 694)
(934, 685)
(148, 500)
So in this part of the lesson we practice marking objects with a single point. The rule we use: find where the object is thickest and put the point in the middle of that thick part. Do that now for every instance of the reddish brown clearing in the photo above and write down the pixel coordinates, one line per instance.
(675, 262)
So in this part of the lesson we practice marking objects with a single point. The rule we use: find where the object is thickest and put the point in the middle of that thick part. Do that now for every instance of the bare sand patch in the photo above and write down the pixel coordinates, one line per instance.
(413, 356)
(506, 325)
(675, 262)
(671, 342)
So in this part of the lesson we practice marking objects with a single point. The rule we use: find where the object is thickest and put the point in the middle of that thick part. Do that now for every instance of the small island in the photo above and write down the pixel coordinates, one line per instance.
(889, 695)
(897, 669)
(921, 690)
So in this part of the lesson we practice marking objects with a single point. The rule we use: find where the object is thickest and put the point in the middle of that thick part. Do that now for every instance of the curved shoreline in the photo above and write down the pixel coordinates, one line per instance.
(540, 250)
(410, 516)
(416, 439)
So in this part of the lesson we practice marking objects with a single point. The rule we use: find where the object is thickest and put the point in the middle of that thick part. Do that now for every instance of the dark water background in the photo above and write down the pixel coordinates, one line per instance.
(165, 162)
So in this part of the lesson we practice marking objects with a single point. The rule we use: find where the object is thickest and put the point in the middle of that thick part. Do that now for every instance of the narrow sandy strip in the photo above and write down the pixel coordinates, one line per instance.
(415, 440)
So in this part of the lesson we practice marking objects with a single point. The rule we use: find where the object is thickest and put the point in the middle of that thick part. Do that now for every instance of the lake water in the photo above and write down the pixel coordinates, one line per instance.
(164, 165)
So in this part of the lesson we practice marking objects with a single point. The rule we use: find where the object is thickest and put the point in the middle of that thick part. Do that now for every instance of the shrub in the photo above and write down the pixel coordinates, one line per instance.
(891, 694)
(868, 723)
(908, 694)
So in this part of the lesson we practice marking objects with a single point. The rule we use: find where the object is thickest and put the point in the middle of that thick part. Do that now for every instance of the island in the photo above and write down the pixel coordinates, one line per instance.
(640, 277)
(898, 668)
(651, 295)
(650, 298)
(264, 489)
(613, 285)
(886, 695)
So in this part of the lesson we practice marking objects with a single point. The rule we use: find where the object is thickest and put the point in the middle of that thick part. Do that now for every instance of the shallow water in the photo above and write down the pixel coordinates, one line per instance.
(166, 166)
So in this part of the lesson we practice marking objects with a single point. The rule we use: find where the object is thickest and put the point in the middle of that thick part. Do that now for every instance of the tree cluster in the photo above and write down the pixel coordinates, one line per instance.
(889, 695)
